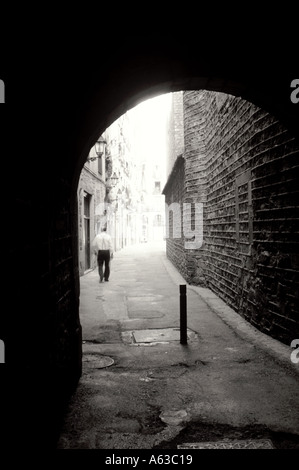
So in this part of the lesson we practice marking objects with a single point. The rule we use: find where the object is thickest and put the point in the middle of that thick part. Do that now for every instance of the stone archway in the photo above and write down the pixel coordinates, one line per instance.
(42, 325)
(263, 92)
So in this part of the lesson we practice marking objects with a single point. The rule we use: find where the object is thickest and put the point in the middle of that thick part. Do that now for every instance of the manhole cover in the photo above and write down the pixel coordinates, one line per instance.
(96, 361)
(230, 444)
(155, 336)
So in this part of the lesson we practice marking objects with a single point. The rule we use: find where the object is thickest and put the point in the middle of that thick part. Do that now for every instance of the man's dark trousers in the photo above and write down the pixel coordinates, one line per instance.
(104, 257)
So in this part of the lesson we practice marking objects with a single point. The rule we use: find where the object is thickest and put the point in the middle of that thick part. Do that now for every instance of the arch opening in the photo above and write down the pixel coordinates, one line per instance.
(256, 129)
(252, 169)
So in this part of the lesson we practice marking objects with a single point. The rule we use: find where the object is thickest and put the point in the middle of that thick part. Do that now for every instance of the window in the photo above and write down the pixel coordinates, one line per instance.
(158, 220)
(157, 189)
(86, 230)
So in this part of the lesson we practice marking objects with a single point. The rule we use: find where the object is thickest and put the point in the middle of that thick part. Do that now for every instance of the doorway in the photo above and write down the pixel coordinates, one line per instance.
(86, 232)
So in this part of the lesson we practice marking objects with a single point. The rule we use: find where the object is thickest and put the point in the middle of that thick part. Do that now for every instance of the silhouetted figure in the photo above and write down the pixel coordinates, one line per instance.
(102, 245)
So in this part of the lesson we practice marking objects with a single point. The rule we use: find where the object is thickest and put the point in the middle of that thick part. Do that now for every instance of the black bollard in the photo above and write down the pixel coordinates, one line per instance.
(183, 314)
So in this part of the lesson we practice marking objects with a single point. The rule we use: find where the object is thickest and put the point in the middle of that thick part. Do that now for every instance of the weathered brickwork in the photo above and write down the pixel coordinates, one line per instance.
(61, 283)
(243, 165)
(195, 173)
(175, 194)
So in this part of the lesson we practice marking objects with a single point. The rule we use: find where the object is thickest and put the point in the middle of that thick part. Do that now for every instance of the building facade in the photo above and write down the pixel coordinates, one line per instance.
(134, 178)
(91, 207)
(120, 195)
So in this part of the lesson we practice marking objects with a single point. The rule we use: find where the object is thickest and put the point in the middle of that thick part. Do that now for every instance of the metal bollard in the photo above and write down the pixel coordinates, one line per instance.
(183, 314)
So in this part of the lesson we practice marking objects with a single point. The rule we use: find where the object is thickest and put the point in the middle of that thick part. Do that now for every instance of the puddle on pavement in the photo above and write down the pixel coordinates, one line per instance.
(174, 417)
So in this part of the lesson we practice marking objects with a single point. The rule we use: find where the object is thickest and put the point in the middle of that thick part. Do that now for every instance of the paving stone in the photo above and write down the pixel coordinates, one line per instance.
(156, 335)
(145, 314)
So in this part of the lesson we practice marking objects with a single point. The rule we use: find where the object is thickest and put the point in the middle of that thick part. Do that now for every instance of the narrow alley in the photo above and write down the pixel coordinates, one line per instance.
(229, 386)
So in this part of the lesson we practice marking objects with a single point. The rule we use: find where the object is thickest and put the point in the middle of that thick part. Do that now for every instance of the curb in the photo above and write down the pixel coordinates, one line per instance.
(280, 352)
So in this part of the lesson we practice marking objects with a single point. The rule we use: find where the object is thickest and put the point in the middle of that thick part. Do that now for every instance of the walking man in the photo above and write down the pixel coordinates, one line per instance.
(102, 245)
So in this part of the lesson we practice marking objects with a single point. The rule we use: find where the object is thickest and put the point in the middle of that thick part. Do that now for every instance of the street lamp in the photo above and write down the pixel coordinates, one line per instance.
(113, 180)
(110, 185)
(99, 148)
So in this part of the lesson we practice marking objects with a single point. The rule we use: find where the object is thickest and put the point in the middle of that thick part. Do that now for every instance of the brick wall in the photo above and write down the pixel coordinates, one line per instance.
(62, 283)
(195, 171)
(251, 214)
(175, 195)
(243, 165)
